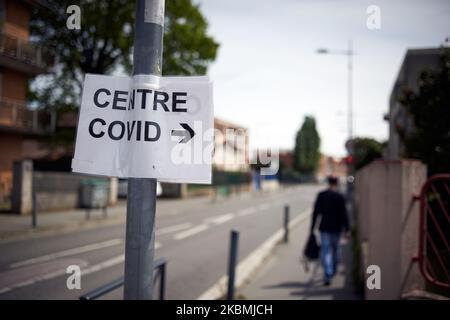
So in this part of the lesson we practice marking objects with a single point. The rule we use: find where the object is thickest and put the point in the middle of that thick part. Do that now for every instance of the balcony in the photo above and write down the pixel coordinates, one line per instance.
(23, 56)
(17, 117)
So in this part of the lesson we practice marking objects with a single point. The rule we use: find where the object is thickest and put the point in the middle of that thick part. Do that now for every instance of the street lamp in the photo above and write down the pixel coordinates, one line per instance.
(322, 50)
(349, 53)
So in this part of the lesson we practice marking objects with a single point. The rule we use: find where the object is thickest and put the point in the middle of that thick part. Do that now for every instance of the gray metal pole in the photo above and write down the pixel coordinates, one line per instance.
(140, 235)
(33, 209)
(286, 223)
(162, 285)
(234, 238)
(350, 89)
(351, 167)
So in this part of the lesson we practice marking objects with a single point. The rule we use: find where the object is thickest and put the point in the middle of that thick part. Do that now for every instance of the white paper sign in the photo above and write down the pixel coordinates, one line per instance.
(146, 127)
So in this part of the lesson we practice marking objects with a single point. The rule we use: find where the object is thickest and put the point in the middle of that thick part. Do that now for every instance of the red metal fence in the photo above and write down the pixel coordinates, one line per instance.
(434, 249)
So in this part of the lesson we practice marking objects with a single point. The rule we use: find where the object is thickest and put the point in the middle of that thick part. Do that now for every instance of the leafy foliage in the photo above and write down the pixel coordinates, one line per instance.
(365, 150)
(429, 109)
(104, 44)
(187, 48)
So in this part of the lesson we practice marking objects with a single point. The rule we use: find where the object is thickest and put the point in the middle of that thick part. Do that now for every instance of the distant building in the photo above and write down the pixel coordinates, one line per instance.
(331, 166)
(228, 154)
(286, 158)
(415, 61)
(328, 165)
(21, 128)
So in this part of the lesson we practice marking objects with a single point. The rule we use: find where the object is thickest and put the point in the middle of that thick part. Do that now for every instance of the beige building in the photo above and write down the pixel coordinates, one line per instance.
(231, 150)
(331, 166)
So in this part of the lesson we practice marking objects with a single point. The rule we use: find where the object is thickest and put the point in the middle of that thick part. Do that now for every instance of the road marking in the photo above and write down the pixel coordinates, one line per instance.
(103, 265)
(190, 232)
(84, 271)
(246, 211)
(220, 219)
(69, 252)
(25, 277)
(174, 228)
(264, 206)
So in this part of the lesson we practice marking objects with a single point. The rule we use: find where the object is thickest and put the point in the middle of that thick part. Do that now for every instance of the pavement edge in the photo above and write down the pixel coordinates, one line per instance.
(247, 266)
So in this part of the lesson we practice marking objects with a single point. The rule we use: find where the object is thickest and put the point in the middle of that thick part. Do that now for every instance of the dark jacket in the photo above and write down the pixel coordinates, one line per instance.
(330, 205)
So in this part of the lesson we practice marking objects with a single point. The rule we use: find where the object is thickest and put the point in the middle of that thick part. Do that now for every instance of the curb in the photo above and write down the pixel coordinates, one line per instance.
(247, 266)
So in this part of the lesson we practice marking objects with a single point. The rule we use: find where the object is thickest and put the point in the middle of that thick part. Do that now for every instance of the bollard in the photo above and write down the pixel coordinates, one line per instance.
(286, 223)
(234, 238)
(162, 285)
(33, 210)
(88, 213)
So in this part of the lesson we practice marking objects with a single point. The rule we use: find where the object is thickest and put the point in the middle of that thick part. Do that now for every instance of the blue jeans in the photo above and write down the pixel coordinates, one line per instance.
(329, 253)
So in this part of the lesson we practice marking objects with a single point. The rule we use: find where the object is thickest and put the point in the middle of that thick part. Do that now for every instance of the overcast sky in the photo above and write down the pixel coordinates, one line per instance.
(267, 76)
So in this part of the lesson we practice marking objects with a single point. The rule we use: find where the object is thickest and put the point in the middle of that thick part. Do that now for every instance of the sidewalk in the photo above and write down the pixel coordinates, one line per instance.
(14, 226)
(283, 276)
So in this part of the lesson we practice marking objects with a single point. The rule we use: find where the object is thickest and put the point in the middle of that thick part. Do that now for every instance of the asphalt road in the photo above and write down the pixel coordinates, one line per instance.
(191, 234)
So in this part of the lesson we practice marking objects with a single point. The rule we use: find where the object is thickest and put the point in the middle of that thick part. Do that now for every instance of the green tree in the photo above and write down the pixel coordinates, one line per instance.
(104, 45)
(188, 49)
(429, 108)
(307, 144)
(365, 150)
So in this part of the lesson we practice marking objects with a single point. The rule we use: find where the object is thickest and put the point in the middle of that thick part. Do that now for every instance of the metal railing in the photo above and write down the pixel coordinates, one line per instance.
(25, 52)
(17, 115)
(434, 234)
(159, 266)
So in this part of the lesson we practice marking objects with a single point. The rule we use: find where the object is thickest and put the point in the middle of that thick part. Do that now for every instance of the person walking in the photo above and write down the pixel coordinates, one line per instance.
(330, 206)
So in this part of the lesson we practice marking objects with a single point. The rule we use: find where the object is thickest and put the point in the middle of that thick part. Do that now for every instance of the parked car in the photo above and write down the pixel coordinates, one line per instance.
(123, 188)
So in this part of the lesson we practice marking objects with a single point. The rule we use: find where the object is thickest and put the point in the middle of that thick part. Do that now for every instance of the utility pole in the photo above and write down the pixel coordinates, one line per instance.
(350, 88)
(349, 53)
(141, 205)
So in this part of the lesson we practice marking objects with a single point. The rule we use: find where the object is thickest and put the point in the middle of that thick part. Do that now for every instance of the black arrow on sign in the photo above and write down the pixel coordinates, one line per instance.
(187, 133)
